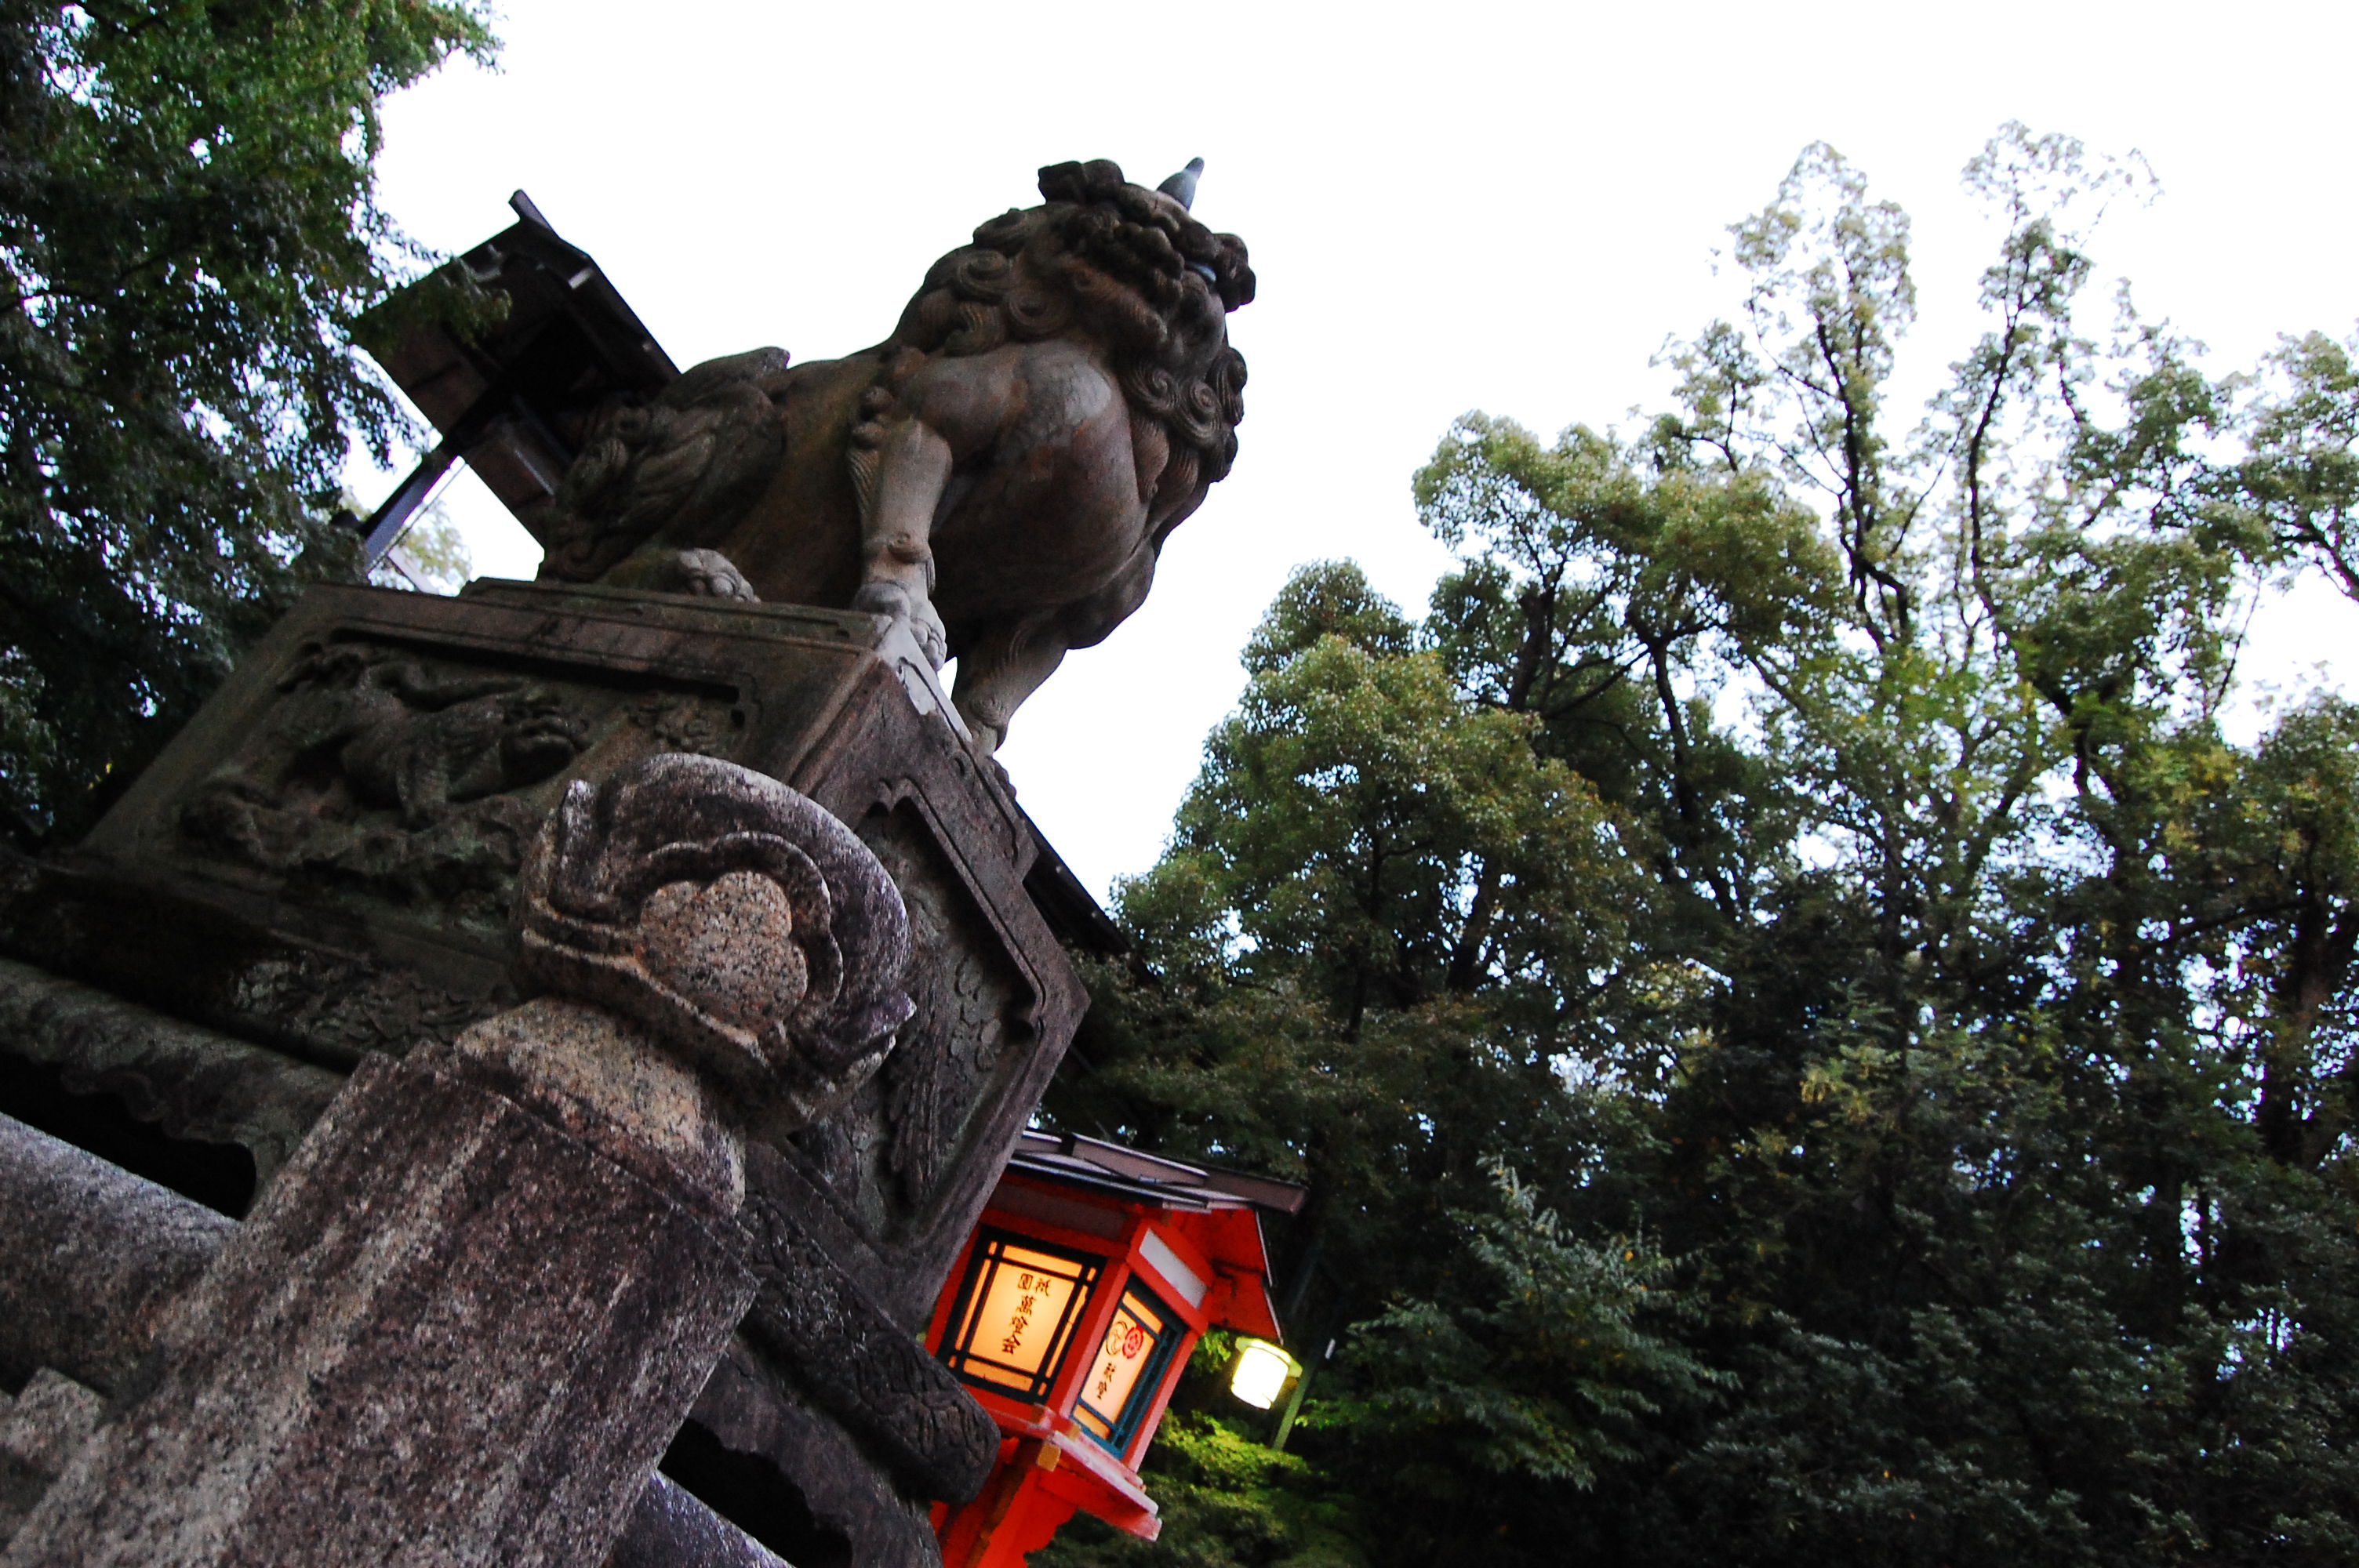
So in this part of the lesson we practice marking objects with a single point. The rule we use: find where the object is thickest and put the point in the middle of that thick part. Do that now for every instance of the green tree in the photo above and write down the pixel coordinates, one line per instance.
(431, 557)
(188, 231)
(1931, 1030)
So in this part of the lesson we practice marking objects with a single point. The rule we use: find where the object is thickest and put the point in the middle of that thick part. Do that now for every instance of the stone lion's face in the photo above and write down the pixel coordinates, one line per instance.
(1112, 263)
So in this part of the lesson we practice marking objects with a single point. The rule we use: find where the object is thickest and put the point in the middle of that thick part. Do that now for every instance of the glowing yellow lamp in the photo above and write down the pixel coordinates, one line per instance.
(1260, 1373)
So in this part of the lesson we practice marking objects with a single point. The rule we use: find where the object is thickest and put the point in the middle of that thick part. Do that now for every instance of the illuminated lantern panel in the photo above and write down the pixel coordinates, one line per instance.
(1021, 1303)
(1094, 1273)
(1130, 1367)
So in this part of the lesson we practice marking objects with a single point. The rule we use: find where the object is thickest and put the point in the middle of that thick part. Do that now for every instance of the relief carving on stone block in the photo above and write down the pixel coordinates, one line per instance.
(848, 1352)
(419, 779)
(342, 1007)
(970, 1003)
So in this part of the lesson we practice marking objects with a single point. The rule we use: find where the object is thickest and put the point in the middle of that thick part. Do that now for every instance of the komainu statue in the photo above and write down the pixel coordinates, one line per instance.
(1000, 473)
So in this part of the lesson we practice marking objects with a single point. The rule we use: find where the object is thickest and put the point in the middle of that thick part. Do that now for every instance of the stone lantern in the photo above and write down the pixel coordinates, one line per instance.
(1093, 1274)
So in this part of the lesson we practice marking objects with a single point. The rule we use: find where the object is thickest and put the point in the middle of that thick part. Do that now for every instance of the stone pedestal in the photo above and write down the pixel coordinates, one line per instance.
(450, 1334)
(127, 1254)
(321, 869)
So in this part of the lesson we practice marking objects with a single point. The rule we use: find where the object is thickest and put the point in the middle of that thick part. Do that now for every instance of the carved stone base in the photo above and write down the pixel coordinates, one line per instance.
(321, 867)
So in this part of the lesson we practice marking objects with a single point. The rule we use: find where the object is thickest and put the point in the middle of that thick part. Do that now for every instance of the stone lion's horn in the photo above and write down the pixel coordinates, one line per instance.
(1181, 187)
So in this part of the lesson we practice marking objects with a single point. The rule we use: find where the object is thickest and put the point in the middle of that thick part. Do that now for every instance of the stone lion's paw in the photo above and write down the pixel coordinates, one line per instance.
(911, 611)
(709, 575)
(925, 625)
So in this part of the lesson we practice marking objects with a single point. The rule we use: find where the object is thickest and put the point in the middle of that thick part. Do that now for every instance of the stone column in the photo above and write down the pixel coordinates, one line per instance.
(463, 1322)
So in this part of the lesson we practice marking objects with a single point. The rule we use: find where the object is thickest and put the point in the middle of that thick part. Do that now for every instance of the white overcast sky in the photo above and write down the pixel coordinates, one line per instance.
(1449, 207)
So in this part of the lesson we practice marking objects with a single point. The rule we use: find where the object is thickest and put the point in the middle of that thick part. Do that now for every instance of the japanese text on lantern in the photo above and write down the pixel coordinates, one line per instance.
(1128, 1351)
(1018, 1316)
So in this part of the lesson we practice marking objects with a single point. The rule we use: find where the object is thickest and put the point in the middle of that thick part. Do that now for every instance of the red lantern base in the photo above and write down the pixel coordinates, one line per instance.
(1044, 1475)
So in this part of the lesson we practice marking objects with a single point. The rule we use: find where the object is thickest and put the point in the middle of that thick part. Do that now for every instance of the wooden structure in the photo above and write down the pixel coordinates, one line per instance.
(514, 399)
(1070, 1315)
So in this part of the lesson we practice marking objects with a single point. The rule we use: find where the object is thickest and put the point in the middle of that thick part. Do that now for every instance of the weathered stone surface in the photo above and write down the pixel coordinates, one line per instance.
(668, 1528)
(449, 1331)
(41, 1429)
(329, 953)
(168, 946)
(856, 1362)
(970, 996)
(733, 918)
(872, 1522)
(94, 1259)
(999, 474)
(606, 1081)
(882, 1187)
(465, 1322)
(841, 707)
(907, 1161)
(196, 1083)
(137, 1249)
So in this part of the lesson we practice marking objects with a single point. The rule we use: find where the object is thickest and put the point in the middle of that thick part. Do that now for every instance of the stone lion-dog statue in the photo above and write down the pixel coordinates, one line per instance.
(1000, 473)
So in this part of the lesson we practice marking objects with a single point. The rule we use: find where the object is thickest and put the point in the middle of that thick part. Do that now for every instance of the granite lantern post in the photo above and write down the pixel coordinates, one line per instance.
(463, 1323)
(1070, 1315)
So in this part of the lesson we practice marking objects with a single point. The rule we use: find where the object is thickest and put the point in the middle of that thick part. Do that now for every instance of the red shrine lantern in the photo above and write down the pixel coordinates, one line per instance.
(1093, 1274)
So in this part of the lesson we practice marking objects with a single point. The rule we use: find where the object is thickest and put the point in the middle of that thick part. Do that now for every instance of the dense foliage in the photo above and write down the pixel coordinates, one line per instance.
(187, 233)
(1813, 1039)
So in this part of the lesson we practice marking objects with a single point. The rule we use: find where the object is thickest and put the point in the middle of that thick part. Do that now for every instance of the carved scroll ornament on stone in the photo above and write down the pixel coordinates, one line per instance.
(732, 917)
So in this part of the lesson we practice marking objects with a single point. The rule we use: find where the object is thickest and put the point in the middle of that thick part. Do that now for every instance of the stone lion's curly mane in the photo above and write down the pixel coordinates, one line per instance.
(1106, 259)
(1103, 260)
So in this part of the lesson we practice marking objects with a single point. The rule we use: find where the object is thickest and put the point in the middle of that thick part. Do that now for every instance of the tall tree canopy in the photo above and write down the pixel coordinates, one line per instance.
(188, 230)
(1812, 1041)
